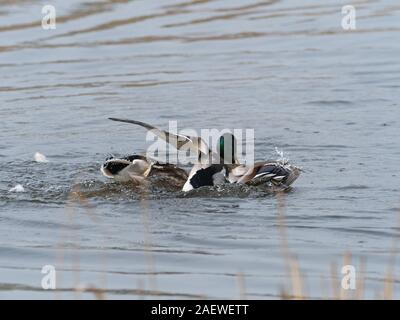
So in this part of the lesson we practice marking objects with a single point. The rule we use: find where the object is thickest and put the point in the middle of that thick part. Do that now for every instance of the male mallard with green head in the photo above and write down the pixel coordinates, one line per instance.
(214, 168)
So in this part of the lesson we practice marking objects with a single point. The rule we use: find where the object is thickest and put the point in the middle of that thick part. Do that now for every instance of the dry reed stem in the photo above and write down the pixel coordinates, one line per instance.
(323, 286)
(334, 283)
(359, 294)
(147, 241)
(388, 287)
(75, 196)
(291, 260)
(99, 294)
(241, 285)
(83, 201)
(343, 292)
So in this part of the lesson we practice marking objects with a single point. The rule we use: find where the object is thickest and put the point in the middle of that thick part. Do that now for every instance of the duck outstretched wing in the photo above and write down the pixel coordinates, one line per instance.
(180, 142)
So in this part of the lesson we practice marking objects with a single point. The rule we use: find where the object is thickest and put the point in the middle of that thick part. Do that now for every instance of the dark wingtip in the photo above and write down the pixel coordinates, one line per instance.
(145, 125)
(122, 120)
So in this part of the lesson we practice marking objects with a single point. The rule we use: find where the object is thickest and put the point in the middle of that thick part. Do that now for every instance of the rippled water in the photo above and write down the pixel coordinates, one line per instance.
(328, 98)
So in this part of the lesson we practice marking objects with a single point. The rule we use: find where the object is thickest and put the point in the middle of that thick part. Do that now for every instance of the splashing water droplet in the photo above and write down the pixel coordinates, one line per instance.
(41, 158)
(281, 157)
(17, 188)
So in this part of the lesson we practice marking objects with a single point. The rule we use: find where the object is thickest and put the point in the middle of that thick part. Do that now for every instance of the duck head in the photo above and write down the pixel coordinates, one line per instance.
(123, 169)
(226, 148)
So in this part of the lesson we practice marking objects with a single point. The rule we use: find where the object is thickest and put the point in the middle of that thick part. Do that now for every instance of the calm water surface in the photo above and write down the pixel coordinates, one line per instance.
(328, 98)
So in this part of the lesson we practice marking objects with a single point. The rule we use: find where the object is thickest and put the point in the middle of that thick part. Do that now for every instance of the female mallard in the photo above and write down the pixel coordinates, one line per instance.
(214, 168)
(141, 170)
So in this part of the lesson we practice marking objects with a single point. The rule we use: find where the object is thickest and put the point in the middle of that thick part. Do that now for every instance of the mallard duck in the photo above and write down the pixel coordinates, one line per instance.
(140, 170)
(214, 168)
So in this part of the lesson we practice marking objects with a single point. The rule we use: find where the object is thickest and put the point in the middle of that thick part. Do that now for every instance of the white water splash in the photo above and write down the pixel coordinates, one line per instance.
(41, 158)
(281, 157)
(17, 188)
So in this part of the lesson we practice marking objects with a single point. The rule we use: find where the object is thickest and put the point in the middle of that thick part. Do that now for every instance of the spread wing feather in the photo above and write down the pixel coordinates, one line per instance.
(178, 141)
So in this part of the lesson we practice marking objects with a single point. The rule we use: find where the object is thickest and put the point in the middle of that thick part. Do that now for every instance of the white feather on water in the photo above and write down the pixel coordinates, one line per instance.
(17, 188)
(41, 158)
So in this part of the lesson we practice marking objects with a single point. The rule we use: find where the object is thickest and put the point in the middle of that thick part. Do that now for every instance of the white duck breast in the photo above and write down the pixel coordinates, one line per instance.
(210, 176)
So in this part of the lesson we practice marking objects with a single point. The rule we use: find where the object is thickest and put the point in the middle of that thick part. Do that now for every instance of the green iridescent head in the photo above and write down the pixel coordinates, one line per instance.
(227, 148)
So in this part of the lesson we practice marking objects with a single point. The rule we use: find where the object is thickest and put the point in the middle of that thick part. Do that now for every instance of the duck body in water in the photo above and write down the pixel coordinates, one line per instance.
(215, 168)
(142, 170)
(268, 173)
